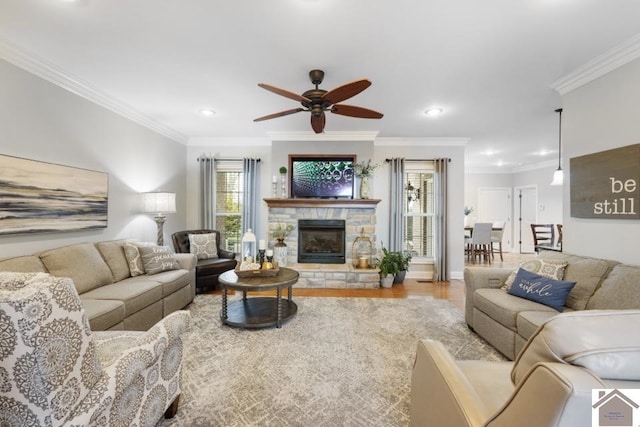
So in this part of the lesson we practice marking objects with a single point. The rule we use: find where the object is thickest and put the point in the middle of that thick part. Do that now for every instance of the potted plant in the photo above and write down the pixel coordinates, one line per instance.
(404, 258)
(389, 266)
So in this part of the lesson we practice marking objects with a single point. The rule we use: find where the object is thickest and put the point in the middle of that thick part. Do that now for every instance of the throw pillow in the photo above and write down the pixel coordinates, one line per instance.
(203, 246)
(132, 254)
(157, 259)
(535, 287)
(551, 268)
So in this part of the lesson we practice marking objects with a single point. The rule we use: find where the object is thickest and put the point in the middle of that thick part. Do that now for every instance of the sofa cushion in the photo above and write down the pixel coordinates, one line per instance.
(604, 341)
(528, 322)
(588, 273)
(620, 290)
(503, 307)
(81, 262)
(553, 269)
(156, 259)
(103, 313)
(135, 292)
(132, 254)
(171, 281)
(113, 254)
(203, 246)
(541, 289)
(23, 264)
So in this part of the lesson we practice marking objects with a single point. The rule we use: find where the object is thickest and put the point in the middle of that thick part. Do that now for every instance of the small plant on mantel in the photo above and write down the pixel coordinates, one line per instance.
(280, 232)
(365, 169)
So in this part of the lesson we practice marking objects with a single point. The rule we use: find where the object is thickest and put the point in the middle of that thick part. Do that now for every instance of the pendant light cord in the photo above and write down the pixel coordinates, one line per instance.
(559, 111)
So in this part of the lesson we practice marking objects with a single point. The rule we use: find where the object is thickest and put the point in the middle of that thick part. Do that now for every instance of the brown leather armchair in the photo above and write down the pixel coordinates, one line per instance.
(207, 270)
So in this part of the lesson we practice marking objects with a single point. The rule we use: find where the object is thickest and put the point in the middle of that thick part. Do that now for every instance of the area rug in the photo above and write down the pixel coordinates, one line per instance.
(338, 362)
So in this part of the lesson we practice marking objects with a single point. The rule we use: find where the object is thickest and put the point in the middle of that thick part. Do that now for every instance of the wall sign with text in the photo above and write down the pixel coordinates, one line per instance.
(606, 184)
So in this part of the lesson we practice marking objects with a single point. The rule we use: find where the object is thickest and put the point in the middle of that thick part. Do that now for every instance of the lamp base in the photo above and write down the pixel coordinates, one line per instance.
(160, 222)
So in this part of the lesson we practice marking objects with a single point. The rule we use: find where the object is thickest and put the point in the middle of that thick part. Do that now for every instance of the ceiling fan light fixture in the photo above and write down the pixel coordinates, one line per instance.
(433, 112)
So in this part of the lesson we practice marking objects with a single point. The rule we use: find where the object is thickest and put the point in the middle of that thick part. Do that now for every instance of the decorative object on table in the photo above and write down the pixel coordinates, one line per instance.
(274, 186)
(467, 211)
(317, 101)
(389, 267)
(364, 171)
(404, 259)
(249, 246)
(283, 182)
(262, 246)
(558, 175)
(362, 251)
(268, 264)
(253, 269)
(160, 203)
(280, 248)
(44, 197)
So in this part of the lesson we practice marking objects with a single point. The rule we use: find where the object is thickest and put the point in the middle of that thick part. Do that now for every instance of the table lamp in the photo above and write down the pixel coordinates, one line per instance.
(159, 203)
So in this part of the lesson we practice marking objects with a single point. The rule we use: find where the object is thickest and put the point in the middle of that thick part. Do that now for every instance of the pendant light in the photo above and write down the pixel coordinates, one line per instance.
(558, 175)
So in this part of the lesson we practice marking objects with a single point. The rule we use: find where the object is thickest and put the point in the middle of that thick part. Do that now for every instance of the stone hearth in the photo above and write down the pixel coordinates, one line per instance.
(358, 214)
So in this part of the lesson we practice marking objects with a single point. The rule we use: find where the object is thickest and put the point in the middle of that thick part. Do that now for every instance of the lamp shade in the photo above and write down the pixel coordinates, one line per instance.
(160, 202)
(558, 177)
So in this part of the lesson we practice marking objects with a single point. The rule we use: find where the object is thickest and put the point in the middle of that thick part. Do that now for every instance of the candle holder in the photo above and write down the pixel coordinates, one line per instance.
(283, 185)
(261, 256)
(274, 189)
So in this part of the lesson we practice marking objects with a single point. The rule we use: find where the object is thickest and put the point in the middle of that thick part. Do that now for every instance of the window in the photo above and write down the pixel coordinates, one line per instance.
(419, 228)
(229, 178)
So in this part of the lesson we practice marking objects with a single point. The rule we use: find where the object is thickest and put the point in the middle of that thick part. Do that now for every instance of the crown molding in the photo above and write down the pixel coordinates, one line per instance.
(599, 66)
(56, 75)
(326, 136)
(204, 141)
(421, 142)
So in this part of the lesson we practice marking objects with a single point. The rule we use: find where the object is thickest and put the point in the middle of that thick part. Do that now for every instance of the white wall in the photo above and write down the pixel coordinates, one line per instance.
(41, 121)
(598, 116)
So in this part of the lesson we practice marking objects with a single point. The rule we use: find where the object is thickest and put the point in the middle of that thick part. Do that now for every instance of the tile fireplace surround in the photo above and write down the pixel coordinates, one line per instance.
(357, 213)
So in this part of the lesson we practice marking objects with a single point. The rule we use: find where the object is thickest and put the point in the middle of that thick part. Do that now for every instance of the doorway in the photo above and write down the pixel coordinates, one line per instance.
(527, 213)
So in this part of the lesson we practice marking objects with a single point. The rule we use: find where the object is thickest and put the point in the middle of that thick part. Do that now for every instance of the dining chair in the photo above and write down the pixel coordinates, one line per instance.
(479, 244)
(497, 232)
(543, 236)
(559, 244)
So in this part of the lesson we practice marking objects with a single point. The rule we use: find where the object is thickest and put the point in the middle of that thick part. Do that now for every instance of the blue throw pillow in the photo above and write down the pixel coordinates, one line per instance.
(541, 289)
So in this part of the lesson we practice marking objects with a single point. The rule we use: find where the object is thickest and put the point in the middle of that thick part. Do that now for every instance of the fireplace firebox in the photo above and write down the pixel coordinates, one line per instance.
(321, 241)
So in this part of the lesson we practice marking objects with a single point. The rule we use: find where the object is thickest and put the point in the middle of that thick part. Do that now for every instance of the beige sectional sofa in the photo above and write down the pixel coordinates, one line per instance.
(507, 321)
(112, 298)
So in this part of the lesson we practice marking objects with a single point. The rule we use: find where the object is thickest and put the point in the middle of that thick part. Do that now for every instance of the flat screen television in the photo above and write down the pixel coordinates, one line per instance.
(322, 177)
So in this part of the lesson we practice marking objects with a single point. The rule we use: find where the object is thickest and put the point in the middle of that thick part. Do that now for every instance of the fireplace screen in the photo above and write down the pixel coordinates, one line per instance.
(321, 241)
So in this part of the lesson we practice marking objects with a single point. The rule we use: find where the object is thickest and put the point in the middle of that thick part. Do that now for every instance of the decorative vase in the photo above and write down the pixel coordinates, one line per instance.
(364, 187)
(280, 253)
(466, 220)
(283, 185)
(387, 281)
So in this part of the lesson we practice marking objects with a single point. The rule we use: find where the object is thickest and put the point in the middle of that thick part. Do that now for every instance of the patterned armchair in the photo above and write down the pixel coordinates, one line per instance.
(55, 371)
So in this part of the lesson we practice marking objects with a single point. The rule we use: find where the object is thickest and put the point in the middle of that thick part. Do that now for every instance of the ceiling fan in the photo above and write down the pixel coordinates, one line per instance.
(317, 101)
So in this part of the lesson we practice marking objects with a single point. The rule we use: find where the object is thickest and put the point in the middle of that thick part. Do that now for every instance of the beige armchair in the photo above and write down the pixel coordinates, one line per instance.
(54, 371)
(549, 384)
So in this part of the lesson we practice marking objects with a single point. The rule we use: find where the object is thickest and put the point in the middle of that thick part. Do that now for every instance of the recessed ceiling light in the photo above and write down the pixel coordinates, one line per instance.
(433, 112)
(207, 112)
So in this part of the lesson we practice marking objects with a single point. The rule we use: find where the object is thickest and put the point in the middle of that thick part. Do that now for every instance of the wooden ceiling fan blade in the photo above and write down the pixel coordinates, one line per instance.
(280, 114)
(352, 111)
(346, 91)
(318, 122)
(284, 92)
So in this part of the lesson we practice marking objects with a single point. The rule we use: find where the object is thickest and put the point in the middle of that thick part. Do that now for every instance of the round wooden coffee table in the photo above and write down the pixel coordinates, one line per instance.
(258, 312)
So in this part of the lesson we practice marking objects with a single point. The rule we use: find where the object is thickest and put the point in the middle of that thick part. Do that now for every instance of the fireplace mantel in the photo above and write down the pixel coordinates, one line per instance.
(320, 203)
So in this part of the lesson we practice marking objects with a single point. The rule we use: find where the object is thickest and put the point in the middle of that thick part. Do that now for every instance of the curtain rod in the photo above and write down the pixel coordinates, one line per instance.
(230, 159)
(416, 160)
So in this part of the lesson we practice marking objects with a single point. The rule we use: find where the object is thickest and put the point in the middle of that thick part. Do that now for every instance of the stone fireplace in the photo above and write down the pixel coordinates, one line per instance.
(321, 241)
(355, 214)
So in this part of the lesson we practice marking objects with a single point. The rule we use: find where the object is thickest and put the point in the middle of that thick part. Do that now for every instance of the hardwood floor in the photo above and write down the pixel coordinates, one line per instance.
(452, 291)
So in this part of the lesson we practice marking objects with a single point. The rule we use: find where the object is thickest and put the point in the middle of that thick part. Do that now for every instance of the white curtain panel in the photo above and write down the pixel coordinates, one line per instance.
(396, 214)
(207, 192)
(250, 200)
(441, 267)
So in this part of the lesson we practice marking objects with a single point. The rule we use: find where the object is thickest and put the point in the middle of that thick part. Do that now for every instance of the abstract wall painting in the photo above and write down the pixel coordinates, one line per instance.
(38, 197)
